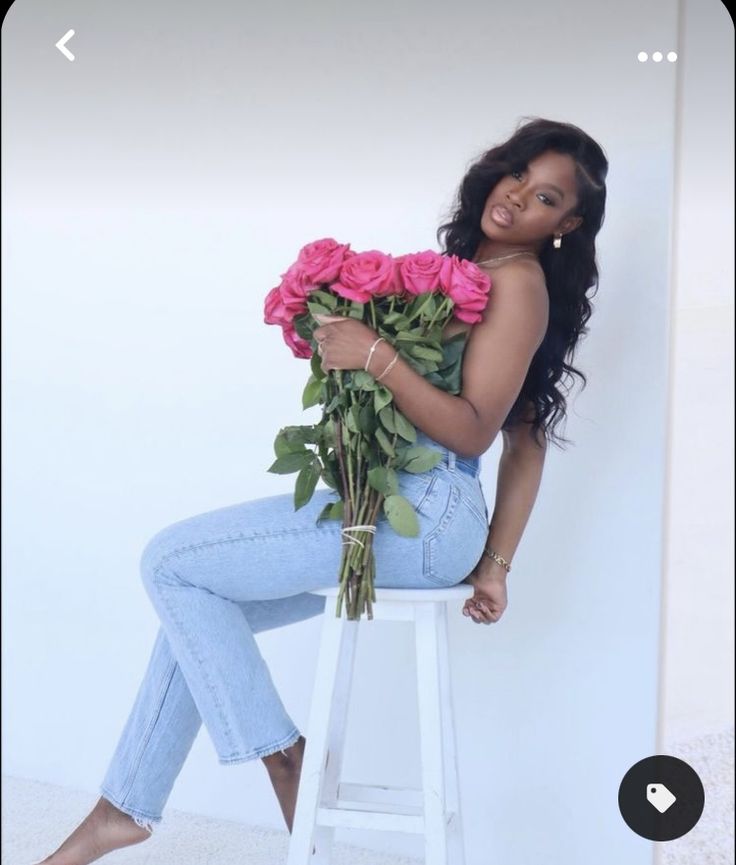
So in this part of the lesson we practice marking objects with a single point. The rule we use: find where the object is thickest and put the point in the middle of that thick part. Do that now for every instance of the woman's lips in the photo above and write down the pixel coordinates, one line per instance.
(501, 216)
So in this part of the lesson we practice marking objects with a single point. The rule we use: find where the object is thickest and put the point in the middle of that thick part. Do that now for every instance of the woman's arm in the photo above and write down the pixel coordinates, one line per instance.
(448, 419)
(519, 477)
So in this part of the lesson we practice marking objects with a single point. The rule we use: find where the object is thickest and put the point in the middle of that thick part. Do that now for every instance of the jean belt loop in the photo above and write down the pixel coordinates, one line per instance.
(451, 457)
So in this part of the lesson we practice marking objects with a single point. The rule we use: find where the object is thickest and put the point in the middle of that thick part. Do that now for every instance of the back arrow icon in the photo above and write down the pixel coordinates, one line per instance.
(61, 45)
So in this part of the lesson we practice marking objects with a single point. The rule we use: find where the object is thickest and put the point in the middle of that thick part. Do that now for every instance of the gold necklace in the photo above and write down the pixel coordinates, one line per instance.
(502, 258)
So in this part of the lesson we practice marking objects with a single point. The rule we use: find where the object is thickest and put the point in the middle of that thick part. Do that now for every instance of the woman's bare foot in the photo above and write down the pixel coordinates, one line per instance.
(104, 829)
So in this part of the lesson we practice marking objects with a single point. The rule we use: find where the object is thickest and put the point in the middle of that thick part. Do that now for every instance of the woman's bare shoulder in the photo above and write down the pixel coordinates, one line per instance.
(519, 275)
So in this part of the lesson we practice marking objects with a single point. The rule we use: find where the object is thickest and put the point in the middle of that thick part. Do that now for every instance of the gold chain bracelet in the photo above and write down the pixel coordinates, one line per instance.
(499, 559)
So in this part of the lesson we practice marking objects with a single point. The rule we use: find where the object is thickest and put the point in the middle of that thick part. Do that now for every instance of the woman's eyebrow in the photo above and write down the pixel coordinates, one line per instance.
(552, 186)
(556, 188)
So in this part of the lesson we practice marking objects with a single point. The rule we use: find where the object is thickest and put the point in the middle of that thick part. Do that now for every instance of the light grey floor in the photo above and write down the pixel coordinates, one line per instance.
(36, 818)
(710, 841)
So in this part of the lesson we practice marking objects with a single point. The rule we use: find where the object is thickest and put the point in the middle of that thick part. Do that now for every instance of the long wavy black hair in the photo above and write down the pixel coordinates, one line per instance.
(571, 272)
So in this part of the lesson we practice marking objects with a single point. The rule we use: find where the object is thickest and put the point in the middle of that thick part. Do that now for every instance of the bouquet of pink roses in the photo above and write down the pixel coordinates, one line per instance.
(363, 440)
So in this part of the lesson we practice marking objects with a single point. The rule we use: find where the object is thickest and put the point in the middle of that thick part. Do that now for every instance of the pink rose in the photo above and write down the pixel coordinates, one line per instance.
(300, 347)
(274, 309)
(365, 275)
(321, 260)
(420, 271)
(467, 286)
(295, 286)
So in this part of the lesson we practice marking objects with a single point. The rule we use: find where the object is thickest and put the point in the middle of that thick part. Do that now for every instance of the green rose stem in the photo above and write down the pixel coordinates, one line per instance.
(366, 566)
(350, 500)
(441, 312)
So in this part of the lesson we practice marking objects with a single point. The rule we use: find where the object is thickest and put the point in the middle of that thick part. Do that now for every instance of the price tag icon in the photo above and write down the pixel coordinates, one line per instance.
(659, 796)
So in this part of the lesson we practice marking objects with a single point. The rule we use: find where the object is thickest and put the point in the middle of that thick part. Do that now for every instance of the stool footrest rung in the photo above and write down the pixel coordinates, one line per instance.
(381, 821)
(398, 800)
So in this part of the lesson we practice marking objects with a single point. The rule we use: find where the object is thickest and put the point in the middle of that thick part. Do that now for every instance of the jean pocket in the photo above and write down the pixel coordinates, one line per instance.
(473, 505)
(439, 555)
(418, 490)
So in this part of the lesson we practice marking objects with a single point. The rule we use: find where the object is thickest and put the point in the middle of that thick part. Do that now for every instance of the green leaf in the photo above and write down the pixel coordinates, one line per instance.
(383, 479)
(420, 459)
(306, 481)
(291, 462)
(383, 441)
(311, 393)
(331, 511)
(356, 309)
(425, 305)
(339, 400)
(368, 419)
(401, 516)
(386, 416)
(303, 325)
(422, 367)
(410, 336)
(426, 352)
(397, 320)
(318, 308)
(331, 474)
(287, 443)
(352, 419)
(291, 439)
(405, 429)
(452, 349)
(382, 397)
(328, 433)
(364, 380)
(315, 364)
(326, 298)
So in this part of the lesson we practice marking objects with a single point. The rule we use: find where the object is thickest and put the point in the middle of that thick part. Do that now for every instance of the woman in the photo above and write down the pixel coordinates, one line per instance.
(528, 212)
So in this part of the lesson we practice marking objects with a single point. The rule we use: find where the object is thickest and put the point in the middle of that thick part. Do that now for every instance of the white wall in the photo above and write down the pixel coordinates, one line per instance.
(153, 191)
(696, 720)
(698, 681)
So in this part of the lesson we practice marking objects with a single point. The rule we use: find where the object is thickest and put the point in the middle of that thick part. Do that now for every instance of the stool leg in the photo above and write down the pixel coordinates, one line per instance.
(323, 752)
(455, 845)
(429, 694)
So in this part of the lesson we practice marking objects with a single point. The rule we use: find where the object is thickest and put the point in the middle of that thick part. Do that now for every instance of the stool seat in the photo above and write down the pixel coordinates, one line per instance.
(452, 593)
(324, 800)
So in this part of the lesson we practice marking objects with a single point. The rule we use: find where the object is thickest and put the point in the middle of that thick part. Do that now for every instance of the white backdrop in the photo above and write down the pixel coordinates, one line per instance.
(153, 192)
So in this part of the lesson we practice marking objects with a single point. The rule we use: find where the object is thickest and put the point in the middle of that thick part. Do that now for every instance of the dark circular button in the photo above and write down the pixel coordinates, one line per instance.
(661, 798)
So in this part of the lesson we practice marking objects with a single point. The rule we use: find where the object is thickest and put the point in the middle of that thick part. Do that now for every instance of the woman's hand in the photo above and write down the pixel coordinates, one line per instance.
(489, 599)
(344, 342)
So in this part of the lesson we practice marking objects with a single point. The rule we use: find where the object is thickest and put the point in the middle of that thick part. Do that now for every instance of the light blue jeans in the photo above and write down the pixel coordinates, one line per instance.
(220, 577)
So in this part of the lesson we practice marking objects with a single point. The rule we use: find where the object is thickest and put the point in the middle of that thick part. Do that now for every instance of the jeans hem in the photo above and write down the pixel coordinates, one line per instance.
(263, 752)
(146, 821)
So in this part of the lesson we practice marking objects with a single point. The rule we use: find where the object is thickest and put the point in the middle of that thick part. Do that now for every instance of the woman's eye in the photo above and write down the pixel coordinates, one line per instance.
(516, 173)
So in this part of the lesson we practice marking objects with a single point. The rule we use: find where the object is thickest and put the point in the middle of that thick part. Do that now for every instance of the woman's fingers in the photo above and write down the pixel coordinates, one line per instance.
(481, 610)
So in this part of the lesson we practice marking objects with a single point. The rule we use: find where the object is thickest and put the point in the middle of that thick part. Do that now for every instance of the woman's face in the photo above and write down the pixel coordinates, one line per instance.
(529, 205)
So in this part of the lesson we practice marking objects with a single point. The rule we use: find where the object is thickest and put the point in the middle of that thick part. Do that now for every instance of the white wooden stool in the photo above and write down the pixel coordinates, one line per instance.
(324, 802)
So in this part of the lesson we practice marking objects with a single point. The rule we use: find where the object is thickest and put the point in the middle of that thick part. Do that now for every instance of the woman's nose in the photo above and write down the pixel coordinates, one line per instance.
(513, 198)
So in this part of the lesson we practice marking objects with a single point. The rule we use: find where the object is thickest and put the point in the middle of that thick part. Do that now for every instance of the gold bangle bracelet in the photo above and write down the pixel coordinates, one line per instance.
(370, 353)
(389, 367)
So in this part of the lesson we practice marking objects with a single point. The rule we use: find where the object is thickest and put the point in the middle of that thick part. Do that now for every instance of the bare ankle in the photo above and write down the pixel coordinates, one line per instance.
(287, 760)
